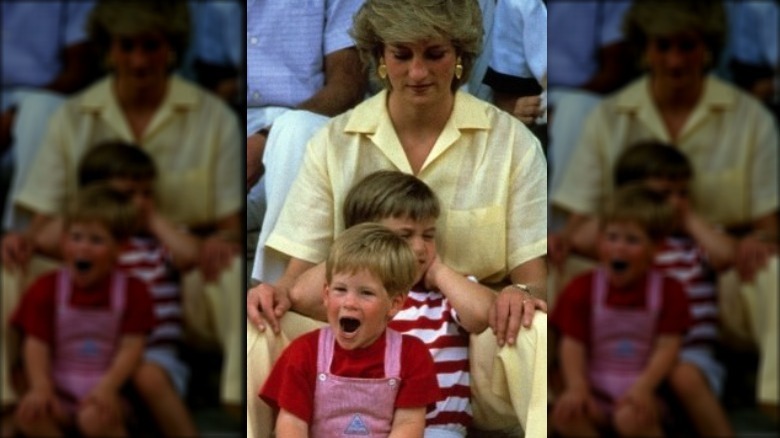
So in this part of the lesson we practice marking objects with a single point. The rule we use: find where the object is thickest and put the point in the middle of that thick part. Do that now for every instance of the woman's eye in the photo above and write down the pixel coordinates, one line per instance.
(435, 55)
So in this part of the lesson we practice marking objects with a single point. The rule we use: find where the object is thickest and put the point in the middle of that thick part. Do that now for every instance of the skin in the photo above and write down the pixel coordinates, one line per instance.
(420, 101)
(100, 412)
(345, 85)
(362, 296)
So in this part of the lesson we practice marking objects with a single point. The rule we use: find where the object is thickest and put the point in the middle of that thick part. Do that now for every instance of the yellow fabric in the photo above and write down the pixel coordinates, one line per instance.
(755, 307)
(193, 138)
(14, 283)
(507, 383)
(730, 139)
(486, 167)
(521, 377)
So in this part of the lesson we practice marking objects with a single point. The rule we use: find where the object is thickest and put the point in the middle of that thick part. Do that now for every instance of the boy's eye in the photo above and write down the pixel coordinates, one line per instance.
(367, 293)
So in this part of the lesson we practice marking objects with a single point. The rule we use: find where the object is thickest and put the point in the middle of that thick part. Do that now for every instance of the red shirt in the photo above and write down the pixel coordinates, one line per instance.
(290, 386)
(35, 315)
(571, 314)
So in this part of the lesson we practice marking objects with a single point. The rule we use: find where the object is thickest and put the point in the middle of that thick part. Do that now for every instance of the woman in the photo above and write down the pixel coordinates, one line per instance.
(486, 167)
(192, 136)
(730, 139)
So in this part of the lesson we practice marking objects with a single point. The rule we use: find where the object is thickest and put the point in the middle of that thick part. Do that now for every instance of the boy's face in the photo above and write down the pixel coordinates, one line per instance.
(420, 235)
(141, 192)
(358, 308)
(627, 252)
(90, 252)
(677, 191)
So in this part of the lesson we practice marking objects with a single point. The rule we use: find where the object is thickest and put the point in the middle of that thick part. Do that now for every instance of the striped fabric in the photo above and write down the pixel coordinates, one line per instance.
(429, 316)
(683, 260)
(147, 260)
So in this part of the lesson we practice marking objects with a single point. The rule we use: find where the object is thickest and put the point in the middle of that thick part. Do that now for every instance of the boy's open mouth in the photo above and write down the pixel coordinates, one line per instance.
(618, 265)
(83, 265)
(349, 325)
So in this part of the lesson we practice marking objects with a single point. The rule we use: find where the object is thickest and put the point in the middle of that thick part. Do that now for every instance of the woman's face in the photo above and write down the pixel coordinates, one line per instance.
(678, 60)
(141, 61)
(421, 73)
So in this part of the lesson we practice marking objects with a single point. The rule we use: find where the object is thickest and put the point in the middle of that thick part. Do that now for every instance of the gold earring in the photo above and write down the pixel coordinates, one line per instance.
(381, 70)
(458, 69)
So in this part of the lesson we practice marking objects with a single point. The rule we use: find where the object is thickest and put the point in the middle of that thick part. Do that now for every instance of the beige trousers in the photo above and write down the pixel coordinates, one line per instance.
(213, 313)
(509, 385)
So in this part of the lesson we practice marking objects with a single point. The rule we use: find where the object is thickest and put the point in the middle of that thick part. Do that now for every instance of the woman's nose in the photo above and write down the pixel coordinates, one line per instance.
(417, 69)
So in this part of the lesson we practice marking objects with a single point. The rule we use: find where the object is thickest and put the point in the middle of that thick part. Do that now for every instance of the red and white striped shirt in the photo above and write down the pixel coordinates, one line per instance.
(682, 259)
(146, 259)
(430, 317)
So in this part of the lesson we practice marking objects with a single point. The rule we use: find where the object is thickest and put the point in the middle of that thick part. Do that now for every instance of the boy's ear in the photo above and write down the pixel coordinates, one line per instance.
(396, 303)
(325, 293)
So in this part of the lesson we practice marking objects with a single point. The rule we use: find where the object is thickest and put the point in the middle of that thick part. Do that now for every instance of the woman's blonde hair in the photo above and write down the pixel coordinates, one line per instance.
(636, 203)
(99, 203)
(389, 194)
(381, 22)
(111, 18)
(646, 19)
(377, 249)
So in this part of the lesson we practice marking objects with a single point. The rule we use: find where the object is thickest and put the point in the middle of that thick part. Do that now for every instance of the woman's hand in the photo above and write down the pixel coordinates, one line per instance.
(513, 306)
(17, 249)
(266, 304)
(752, 255)
(216, 254)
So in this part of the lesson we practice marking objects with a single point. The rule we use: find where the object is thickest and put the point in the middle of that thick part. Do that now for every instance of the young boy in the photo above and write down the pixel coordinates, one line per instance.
(356, 376)
(442, 309)
(84, 326)
(621, 325)
(691, 255)
(157, 254)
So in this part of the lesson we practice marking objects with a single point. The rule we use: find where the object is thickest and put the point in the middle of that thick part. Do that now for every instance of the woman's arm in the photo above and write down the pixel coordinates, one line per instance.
(290, 426)
(408, 423)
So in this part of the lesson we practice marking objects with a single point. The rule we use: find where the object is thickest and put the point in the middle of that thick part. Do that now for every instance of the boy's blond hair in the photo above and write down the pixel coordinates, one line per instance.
(101, 204)
(638, 204)
(377, 249)
(388, 194)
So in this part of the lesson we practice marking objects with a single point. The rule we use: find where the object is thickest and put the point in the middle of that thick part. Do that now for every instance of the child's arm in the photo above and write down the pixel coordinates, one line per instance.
(125, 362)
(408, 423)
(720, 247)
(290, 426)
(576, 397)
(40, 397)
(183, 246)
(665, 353)
(471, 300)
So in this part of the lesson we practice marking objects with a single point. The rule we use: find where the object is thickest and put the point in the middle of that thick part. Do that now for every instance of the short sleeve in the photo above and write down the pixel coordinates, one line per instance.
(290, 386)
(338, 22)
(571, 313)
(139, 314)
(419, 385)
(675, 316)
(35, 314)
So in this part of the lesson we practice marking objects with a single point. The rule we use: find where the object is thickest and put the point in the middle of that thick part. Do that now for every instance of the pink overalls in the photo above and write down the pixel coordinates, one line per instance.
(349, 406)
(622, 339)
(85, 339)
